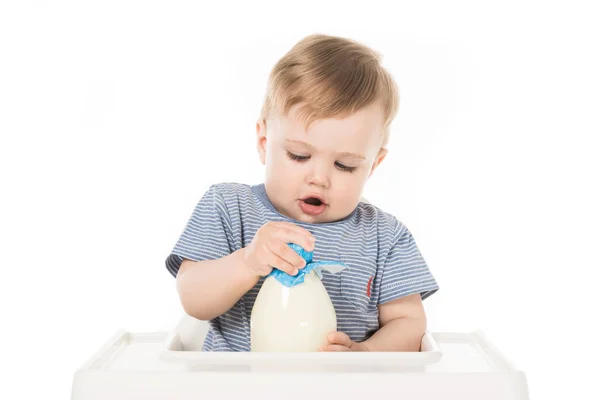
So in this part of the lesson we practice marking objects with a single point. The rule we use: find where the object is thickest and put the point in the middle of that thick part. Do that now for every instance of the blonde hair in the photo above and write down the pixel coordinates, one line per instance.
(332, 77)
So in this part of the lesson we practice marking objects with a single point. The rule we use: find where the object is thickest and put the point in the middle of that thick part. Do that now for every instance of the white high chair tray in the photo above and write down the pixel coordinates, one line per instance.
(152, 366)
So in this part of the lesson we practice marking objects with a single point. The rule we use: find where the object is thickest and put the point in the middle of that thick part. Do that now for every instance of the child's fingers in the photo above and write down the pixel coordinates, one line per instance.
(295, 234)
(288, 254)
(339, 338)
(285, 252)
(299, 229)
(279, 263)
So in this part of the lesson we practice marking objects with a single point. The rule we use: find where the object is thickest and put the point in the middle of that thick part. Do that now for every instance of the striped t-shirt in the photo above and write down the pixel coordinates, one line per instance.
(382, 260)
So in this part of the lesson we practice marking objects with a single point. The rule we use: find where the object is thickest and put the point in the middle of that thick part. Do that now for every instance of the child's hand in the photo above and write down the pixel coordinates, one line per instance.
(269, 249)
(339, 341)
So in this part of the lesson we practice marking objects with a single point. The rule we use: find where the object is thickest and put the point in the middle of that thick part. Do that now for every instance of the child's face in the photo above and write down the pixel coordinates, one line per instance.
(331, 161)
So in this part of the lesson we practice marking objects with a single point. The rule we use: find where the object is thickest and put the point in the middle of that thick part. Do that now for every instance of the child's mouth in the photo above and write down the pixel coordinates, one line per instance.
(312, 206)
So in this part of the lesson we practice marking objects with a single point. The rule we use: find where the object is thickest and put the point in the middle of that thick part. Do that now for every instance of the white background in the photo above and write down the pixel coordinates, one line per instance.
(116, 116)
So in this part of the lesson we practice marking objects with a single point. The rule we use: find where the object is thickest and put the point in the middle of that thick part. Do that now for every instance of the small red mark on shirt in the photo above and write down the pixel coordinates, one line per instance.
(369, 286)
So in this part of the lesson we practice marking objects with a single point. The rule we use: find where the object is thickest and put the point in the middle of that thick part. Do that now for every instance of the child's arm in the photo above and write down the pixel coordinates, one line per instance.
(209, 288)
(402, 325)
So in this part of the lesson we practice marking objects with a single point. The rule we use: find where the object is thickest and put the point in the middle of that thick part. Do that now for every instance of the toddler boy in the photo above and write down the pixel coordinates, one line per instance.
(322, 132)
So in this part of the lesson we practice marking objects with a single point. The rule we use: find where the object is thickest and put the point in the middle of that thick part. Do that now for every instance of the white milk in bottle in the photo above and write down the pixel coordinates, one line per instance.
(293, 313)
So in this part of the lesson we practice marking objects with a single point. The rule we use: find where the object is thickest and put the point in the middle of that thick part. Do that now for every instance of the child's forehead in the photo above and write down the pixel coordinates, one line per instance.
(370, 115)
(360, 130)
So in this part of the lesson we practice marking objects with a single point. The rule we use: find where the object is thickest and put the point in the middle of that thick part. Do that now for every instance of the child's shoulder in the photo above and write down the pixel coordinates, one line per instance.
(231, 188)
(369, 214)
(232, 195)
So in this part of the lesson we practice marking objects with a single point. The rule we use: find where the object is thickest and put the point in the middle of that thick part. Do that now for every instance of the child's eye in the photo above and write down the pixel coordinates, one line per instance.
(296, 157)
(342, 167)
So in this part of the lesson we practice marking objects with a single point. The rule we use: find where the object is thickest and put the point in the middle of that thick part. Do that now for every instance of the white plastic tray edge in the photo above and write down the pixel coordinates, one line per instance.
(121, 338)
(113, 343)
(499, 357)
(487, 348)
(173, 353)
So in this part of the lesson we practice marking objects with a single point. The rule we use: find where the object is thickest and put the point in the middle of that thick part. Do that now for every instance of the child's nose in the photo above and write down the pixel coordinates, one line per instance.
(319, 176)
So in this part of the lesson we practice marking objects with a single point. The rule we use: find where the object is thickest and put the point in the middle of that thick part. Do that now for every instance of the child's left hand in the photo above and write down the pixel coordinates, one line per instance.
(339, 341)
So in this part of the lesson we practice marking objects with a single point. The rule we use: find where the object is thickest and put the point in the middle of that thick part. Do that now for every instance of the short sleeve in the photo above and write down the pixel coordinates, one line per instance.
(405, 271)
(207, 234)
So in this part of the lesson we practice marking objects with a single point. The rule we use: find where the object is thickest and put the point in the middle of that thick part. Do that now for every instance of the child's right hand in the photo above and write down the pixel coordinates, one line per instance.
(269, 248)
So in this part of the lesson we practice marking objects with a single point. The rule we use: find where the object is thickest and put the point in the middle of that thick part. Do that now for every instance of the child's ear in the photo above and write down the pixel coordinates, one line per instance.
(261, 140)
(380, 156)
